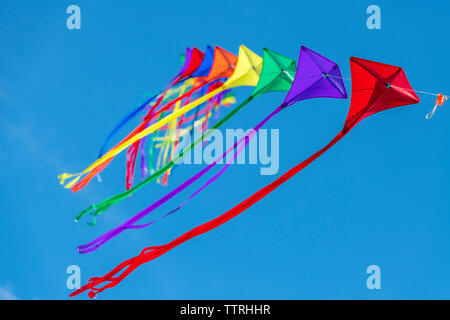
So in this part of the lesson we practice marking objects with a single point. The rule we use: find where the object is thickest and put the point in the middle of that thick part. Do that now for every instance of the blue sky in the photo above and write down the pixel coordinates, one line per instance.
(380, 196)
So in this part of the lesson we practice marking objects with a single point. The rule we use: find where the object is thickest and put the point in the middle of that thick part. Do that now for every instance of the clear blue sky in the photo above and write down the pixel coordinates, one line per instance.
(380, 196)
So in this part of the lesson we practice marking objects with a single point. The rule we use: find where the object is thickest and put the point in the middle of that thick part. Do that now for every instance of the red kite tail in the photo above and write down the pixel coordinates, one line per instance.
(151, 253)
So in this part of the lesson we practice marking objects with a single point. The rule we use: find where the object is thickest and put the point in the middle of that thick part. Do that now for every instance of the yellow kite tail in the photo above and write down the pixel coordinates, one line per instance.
(113, 152)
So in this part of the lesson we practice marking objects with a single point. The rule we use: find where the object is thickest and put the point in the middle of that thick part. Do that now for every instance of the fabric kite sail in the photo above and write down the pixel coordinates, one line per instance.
(223, 67)
(311, 81)
(192, 62)
(277, 74)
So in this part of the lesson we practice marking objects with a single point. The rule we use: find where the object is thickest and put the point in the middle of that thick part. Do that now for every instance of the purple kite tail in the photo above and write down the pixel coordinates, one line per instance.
(131, 223)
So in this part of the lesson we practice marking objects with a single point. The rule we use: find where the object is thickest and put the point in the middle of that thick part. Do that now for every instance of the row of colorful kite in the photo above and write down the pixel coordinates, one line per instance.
(192, 101)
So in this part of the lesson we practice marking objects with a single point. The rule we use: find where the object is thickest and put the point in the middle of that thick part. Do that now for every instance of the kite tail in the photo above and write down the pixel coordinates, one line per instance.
(171, 128)
(144, 168)
(214, 178)
(130, 139)
(131, 161)
(151, 253)
(101, 207)
(142, 133)
(123, 122)
(131, 223)
(87, 178)
(133, 150)
(110, 276)
(174, 147)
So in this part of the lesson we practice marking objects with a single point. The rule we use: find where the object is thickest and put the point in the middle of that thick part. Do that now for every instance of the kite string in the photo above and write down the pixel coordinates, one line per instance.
(412, 90)
(440, 98)
(336, 77)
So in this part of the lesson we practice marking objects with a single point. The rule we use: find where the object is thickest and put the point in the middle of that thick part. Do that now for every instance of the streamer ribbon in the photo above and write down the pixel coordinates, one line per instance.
(376, 87)
(275, 75)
